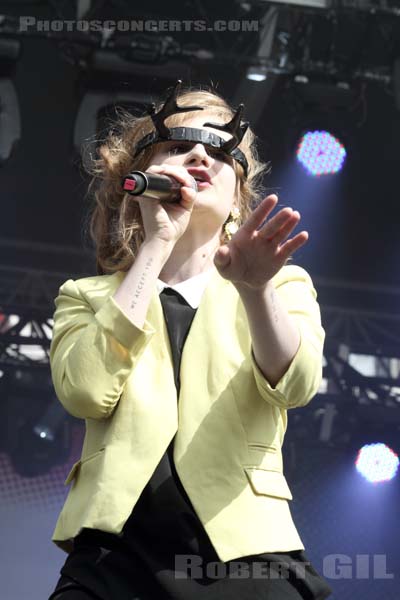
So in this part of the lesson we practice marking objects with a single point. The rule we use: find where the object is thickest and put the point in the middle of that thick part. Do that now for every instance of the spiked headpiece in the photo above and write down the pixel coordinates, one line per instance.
(163, 133)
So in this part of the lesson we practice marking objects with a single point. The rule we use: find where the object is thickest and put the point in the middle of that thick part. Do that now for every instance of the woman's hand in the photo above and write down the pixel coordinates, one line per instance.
(168, 221)
(253, 256)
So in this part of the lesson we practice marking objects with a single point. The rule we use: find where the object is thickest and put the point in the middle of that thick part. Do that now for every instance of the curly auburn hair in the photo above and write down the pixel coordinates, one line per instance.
(115, 222)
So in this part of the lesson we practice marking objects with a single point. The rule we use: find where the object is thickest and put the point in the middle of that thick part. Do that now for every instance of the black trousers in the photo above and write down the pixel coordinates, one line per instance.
(69, 589)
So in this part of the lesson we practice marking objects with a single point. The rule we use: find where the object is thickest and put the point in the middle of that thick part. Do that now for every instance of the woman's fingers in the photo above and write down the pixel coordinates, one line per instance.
(260, 213)
(189, 188)
(292, 245)
(188, 197)
(281, 227)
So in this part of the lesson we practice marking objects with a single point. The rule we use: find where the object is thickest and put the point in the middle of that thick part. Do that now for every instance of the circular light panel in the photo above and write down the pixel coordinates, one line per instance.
(321, 153)
(377, 462)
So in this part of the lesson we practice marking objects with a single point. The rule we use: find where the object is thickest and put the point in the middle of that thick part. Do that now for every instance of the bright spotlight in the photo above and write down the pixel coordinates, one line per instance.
(257, 73)
(321, 153)
(377, 463)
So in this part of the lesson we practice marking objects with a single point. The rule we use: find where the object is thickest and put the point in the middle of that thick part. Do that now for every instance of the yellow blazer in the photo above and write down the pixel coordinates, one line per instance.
(229, 423)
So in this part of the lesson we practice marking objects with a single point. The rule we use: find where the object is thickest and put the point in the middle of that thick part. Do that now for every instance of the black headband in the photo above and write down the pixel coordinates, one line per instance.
(190, 134)
(198, 136)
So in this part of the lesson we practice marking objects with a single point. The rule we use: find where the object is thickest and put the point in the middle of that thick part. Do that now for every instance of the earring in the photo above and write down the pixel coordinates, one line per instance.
(232, 225)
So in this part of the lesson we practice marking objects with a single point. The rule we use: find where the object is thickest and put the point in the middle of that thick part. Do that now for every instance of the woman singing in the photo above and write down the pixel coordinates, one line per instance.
(183, 356)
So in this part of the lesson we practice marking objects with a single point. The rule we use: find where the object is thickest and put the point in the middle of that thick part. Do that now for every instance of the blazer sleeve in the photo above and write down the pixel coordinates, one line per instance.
(92, 353)
(303, 377)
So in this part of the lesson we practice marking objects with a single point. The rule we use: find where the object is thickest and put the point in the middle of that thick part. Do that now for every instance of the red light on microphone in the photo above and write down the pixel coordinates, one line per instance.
(129, 184)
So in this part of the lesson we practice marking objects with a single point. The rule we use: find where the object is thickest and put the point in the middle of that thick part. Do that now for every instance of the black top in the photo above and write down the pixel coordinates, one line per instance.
(163, 537)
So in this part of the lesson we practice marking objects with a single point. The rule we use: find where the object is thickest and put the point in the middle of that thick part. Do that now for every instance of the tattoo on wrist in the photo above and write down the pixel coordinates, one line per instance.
(141, 283)
(275, 315)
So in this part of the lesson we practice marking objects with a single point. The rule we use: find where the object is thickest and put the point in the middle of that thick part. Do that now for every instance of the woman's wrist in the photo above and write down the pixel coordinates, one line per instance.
(157, 244)
(136, 290)
(251, 291)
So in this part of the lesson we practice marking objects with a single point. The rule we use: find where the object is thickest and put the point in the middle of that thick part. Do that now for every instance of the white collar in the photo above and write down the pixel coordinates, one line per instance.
(191, 289)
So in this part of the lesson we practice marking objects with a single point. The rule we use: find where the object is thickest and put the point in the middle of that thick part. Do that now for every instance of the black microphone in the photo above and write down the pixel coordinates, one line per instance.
(150, 185)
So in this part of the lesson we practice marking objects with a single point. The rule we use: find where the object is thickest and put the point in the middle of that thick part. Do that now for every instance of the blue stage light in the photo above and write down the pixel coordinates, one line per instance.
(377, 462)
(321, 153)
